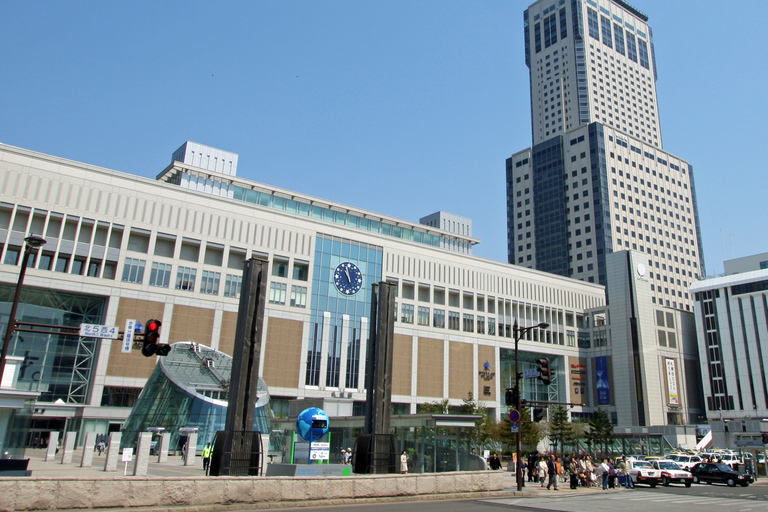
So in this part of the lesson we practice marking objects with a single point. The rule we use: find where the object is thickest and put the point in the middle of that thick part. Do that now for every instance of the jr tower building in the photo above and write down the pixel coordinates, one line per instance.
(597, 179)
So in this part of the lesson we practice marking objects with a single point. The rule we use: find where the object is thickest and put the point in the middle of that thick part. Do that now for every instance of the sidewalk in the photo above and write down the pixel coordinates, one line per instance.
(55, 469)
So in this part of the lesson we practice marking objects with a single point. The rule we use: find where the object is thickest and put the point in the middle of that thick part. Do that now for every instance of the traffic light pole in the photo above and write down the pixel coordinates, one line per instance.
(518, 333)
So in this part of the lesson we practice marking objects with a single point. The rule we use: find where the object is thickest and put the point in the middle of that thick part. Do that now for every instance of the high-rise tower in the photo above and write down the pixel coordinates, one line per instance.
(597, 180)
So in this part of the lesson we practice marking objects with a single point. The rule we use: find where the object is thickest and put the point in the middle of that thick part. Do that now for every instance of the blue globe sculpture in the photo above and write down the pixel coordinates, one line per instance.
(312, 424)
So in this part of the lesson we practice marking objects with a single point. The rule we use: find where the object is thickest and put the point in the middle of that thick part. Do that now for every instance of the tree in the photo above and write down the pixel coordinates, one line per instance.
(560, 429)
(483, 429)
(436, 407)
(600, 432)
(531, 432)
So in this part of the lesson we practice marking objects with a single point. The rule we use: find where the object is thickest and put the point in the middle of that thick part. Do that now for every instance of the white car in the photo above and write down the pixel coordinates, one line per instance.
(642, 472)
(672, 473)
(686, 461)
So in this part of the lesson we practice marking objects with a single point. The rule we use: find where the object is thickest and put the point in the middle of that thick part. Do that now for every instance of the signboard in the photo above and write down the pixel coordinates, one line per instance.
(672, 395)
(514, 416)
(531, 374)
(127, 454)
(319, 451)
(130, 326)
(578, 378)
(514, 428)
(99, 331)
(603, 386)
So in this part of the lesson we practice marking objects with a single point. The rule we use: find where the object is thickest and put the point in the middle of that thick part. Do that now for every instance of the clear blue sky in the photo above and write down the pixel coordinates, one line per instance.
(399, 107)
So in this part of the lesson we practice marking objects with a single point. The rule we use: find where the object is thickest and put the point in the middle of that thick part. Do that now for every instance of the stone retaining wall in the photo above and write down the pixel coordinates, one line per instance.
(17, 494)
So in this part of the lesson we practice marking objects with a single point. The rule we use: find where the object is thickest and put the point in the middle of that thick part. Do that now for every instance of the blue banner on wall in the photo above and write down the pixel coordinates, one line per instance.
(603, 387)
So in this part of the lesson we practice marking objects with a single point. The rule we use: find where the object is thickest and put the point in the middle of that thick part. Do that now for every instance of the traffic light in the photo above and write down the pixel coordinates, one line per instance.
(545, 370)
(538, 414)
(764, 437)
(511, 397)
(151, 336)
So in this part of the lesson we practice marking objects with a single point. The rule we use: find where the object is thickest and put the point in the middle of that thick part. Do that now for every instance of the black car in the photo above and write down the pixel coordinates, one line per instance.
(710, 472)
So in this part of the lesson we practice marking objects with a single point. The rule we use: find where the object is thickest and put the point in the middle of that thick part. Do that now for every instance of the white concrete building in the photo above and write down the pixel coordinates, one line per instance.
(732, 326)
(125, 247)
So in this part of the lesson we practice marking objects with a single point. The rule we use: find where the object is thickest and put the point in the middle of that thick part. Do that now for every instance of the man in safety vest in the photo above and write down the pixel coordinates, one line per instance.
(207, 452)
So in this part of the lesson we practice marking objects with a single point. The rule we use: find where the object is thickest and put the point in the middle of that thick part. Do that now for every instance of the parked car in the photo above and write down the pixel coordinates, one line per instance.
(686, 461)
(672, 473)
(711, 473)
(643, 472)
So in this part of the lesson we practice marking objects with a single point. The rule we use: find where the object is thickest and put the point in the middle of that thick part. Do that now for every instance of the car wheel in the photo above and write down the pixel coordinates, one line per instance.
(653, 485)
(731, 482)
(687, 484)
(695, 479)
(744, 484)
(665, 482)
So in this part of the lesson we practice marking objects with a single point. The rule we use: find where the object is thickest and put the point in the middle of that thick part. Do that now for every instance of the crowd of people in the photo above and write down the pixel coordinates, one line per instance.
(578, 471)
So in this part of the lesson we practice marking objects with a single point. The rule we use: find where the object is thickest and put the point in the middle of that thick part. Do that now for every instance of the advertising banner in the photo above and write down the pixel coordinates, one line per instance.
(602, 380)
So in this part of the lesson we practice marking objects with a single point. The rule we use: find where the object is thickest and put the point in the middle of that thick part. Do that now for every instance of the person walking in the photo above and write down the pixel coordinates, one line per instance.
(532, 467)
(207, 452)
(611, 475)
(404, 463)
(552, 472)
(494, 462)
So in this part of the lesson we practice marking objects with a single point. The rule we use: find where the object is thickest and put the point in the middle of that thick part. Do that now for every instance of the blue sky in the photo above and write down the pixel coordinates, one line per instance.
(399, 107)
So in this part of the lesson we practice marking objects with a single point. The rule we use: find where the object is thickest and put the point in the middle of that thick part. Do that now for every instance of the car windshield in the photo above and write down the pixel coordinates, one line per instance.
(643, 464)
(668, 465)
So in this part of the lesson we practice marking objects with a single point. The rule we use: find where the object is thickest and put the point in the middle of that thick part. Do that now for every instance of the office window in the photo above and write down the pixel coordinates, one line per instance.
(480, 325)
(453, 320)
(210, 282)
(133, 270)
(160, 275)
(232, 286)
(423, 318)
(407, 314)
(280, 268)
(277, 293)
(185, 278)
(438, 318)
(469, 323)
(491, 326)
(298, 296)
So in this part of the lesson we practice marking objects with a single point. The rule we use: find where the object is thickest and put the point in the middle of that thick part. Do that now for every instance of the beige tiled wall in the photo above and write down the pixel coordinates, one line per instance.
(282, 353)
(133, 365)
(401, 365)
(430, 368)
(460, 370)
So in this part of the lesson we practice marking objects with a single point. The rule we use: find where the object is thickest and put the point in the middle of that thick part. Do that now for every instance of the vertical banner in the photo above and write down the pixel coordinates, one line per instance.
(674, 398)
(603, 386)
(577, 372)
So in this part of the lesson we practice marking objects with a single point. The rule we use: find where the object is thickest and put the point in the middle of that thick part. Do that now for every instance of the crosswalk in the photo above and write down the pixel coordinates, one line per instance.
(599, 502)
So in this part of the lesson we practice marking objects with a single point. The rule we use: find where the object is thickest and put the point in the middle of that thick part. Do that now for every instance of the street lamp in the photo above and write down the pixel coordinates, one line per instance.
(519, 332)
(32, 243)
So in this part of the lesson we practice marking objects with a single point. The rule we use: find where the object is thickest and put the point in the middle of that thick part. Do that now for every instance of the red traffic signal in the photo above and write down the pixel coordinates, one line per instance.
(545, 370)
(151, 337)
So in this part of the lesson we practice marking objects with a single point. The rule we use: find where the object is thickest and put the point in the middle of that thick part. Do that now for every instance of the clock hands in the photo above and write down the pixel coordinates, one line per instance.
(346, 271)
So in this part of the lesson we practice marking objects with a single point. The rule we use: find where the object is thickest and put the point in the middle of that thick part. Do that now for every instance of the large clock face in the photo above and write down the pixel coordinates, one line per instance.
(348, 278)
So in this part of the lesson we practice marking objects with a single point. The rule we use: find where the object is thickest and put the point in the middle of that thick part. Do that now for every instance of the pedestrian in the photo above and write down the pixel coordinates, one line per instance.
(559, 468)
(552, 472)
(494, 462)
(541, 472)
(573, 472)
(611, 475)
(343, 456)
(404, 463)
(100, 447)
(590, 470)
(207, 452)
(348, 460)
(583, 474)
(532, 467)
(624, 468)
(566, 467)
(604, 473)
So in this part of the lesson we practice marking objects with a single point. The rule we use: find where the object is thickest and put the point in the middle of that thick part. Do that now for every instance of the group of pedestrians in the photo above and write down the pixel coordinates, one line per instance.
(578, 471)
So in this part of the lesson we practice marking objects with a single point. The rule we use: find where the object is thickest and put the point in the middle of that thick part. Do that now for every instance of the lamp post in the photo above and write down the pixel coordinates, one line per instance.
(519, 332)
(32, 244)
